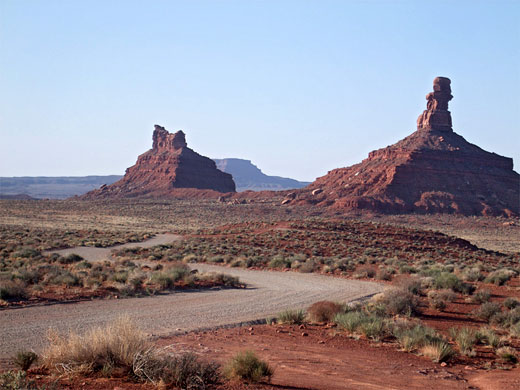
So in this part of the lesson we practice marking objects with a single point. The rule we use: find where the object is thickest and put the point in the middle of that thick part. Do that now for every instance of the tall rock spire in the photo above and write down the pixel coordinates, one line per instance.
(436, 116)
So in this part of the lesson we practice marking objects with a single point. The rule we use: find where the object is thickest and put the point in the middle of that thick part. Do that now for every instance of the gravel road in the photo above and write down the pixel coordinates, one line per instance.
(268, 293)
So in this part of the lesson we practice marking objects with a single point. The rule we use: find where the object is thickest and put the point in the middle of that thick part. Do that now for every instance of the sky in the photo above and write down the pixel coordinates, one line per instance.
(298, 87)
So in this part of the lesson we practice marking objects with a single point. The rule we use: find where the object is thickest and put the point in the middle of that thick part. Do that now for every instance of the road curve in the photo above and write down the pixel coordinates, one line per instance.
(268, 293)
(92, 253)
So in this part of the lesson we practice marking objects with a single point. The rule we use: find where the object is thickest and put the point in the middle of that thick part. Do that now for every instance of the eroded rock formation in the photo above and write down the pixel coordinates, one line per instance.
(170, 165)
(432, 170)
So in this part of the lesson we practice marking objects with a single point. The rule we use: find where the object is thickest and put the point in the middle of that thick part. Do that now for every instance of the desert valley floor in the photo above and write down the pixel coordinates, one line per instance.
(259, 262)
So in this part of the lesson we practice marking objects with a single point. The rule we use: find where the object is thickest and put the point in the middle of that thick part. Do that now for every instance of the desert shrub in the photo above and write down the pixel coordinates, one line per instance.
(279, 261)
(350, 321)
(99, 349)
(487, 310)
(415, 337)
(10, 289)
(17, 380)
(183, 371)
(59, 276)
(448, 280)
(398, 301)
(438, 299)
(472, 275)
(365, 272)
(384, 274)
(221, 279)
(27, 253)
(438, 351)
(466, 339)
(248, 366)
(29, 276)
(488, 336)
(373, 327)
(499, 277)
(514, 330)
(507, 354)
(481, 296)
(70, 259)
(412, 285)
(24, 359)
(323, 311)
(291, 317)
(511, 303)
(120, 277)
(506, 318)
(308, 266)
(216, 259)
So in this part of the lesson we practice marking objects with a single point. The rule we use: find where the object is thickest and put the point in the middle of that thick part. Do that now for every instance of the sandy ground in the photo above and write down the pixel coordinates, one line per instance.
(268, 293)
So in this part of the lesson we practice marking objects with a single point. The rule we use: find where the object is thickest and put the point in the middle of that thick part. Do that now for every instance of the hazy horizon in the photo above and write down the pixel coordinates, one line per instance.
(298, 88)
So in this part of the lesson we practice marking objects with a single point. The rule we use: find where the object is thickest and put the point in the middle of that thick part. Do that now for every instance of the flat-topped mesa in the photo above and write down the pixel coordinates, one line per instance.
(436, 116)
(165, 141)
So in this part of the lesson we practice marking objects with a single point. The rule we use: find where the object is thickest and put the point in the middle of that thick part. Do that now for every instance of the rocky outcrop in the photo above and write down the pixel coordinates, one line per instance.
(169, 166)
(434, 170)
(248, 177)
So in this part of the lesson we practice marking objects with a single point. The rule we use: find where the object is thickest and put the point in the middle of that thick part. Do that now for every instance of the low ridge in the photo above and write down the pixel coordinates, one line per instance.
(433, 170)
(170, 165)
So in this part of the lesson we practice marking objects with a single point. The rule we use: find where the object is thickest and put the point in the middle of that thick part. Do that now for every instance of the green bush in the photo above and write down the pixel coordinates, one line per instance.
(10, 289)
(487, 310)
(25, 359)
(291, 317)
(350, 321)
(488, 336)
(398, 301)
(507, 354)
(466, 339)
(511, 303)
(481, 296)
(448, 280)
(248, 367)
(279, 261)
(499, 277)
(415, 337)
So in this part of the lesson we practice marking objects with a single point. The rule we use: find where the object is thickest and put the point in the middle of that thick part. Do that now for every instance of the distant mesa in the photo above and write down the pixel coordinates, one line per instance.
(248, 177)
(165, 169)
(16, 197)
(52, 187)
(433, 170)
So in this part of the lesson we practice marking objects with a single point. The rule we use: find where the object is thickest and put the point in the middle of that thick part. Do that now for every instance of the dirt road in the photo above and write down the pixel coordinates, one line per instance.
(268, 293)
(98, 254)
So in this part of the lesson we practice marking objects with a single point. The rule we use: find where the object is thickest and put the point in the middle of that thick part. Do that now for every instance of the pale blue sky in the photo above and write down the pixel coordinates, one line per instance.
(298, 87)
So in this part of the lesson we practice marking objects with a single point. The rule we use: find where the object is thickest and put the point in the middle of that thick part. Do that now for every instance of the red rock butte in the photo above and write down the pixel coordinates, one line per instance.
(433, 170)
(165, 169)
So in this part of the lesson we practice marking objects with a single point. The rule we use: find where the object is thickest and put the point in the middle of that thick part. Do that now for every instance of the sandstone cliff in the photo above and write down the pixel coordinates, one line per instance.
(432, 170)
(161, 171)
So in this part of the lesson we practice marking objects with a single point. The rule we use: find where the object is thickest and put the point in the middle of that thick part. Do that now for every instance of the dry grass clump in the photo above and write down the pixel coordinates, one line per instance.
(123, 347)
(294, 317)
(438, 351)
(466, 339)
(249, 367)
(323, 311)
(100, 349)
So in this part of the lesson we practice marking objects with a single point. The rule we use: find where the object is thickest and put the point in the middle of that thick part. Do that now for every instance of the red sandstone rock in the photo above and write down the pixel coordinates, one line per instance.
(165, 169)
(434, 170)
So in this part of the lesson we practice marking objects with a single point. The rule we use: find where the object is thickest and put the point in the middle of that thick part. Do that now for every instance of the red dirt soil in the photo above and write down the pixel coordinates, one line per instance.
(320, 357)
